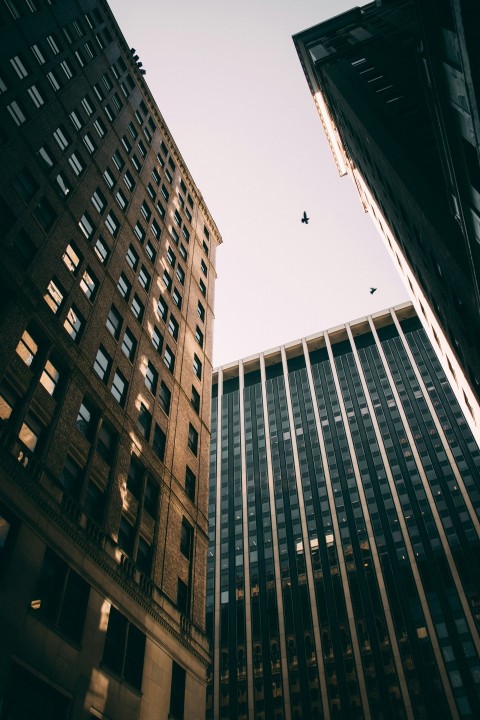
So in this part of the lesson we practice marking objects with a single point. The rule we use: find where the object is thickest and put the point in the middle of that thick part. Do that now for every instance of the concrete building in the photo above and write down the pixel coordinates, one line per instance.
(107, 269)
(343, 569)
(396, 86)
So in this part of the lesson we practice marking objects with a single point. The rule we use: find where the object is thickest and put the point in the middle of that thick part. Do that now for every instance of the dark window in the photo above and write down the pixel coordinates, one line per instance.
(150, 502)
(26, 696)
(203, 267)
(8, 529)
(71, 477)
(177, 298)
(135, 478)
(114, 322)
(190, 482)
(167, 280)
(162, 309)
(124, 649)
(129, 345)
(180, 275)
(199, 336)
(94, 503)
(177, 692)
(132, 257)
(26, 185)
(144, 422)
(173, 327)
(157, 339)
(182, 598)
(203, 287)
(151, 377)
(186, 538)
(107, 441)
(159, 442)
(205, 248)
(144, 278)
(144, 556)
(61, 596)
(201, 311)
(137, 308)
(165, 398)
(124, 286)
(126, 536)
(192, 439)
(197, 366)
(195, 400)
(169, 359)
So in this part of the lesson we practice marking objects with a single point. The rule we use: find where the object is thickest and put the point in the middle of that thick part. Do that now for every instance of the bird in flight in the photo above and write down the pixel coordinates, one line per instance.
(372, 290)
(305, 218)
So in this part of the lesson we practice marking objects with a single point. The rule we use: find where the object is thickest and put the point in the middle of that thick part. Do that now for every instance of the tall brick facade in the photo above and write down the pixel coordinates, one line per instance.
(107, 262)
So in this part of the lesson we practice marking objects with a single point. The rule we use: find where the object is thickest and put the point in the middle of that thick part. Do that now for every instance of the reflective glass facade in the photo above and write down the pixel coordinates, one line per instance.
(343, 576)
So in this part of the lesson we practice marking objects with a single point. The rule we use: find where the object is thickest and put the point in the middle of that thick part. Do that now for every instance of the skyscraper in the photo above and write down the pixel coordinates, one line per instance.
(107, 266)
(343, 571)
(396, 87)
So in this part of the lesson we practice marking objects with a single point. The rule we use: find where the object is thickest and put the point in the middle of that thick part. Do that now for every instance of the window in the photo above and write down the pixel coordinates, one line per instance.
(169, 359)
(150, 251)
(71, 477)
(139, 232)
(72, 257)
(177, 298)
(45, 215)
(155, 229)
(145, 210)
(182, 602)
(62, 137)
(76, 163)
(124, 649)
(88, 105)
(183, 251)
(53, 80)
(76, 120)
(199, 336)
(144, 278)
(129, 345)
(19, 66)
(118, 160)
(102, 250)
(119, 388)
(54, 296)
(50, 377)
(144, 556)
(86, 225)
(186, 538)
(161, 209)
(129, 181)
(63, 596)
(156, 175)
(150, 500)
(162, 308)
(144, 422)
(109, 178)
(203, 287)
(94, 503)
(132, 257)
(151, 377)
(178, 218)
(126, 144)
(174, 236)
(30, 432)
(26, 695)
(135, 478)
(206, 232)
(190, 481)
(197, 366)
(102, 363)
(124, 286)
(112, 223)
(192, 439)
(36, 96)
(74, 323)
(46, 156)
(201, 311)
(137, 308)
(177, 692)
(159, 442)
(38, 53)
(114, 322)
(99, 200)
(171, 257)
(86, 419)
(195, 400)
(164, 398)
(136, 163)
(89, 143)
(66, 69)
(89, 284)
(205, 248)
(165, 193)
(173, 327)
(107, 442)
(157, 339)
(99, 126)
(27, 348)
(167, 280)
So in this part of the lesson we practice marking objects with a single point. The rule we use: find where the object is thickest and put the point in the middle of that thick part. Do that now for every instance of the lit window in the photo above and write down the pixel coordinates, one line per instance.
(89, 284)
(54, 295)
(102, 363)
(74, 323)
(30, 432)
(27, 348)
(129, 345)
(50, 377)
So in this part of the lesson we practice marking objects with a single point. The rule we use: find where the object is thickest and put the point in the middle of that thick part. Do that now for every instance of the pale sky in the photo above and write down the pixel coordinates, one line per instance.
(231, 89)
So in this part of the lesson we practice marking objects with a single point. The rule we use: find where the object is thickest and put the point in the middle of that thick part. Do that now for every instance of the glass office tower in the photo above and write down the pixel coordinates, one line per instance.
(343, 571)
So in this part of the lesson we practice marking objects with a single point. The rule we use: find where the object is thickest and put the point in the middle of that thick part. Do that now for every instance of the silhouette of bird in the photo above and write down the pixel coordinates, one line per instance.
(372, 290)
(305, 218)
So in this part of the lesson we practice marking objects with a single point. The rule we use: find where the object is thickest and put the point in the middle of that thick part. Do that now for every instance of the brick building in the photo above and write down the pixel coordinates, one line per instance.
(107, 263)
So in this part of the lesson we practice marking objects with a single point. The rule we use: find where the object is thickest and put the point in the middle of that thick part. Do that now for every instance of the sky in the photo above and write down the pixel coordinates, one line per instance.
(229, 84)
